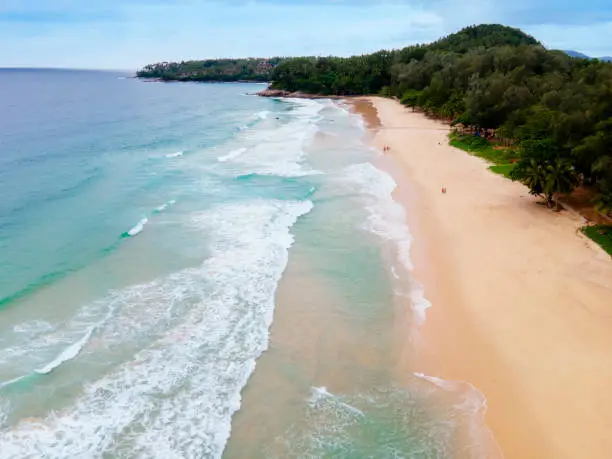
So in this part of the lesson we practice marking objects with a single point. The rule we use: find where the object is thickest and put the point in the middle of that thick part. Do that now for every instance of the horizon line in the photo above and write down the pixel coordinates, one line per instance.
(82, 69)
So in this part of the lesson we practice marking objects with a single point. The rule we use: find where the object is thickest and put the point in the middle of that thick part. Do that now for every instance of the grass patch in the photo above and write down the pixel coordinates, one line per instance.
(500, 157)
(601, 234)
(502, 169)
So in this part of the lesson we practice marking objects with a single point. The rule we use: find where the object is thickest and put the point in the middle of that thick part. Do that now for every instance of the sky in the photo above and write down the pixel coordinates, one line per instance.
(128, 34)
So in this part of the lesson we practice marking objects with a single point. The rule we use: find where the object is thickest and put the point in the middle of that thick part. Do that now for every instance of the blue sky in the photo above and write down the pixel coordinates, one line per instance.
(127, 34)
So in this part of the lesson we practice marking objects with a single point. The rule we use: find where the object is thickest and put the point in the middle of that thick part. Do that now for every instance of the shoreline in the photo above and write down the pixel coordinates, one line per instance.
(281, 93)
(520, 301)
(176, 80)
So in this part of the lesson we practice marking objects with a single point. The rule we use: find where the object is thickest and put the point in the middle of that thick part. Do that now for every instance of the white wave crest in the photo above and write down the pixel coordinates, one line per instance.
(281, 151)
(165, 206)
(33, 327)
(418, 420)
(4, 384)
(319, 393)
(387, 219)
(176, 396)
(232, 154)
(68, 354)
(175, 155)
(137, 229)
(74, 349)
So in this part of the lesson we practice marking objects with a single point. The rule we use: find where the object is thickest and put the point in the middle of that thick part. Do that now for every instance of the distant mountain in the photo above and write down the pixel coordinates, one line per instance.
(571, 53)
(584, 56)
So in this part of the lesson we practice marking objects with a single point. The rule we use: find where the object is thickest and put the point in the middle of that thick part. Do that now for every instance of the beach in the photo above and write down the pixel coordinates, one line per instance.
(521, 300)
(231, 276)
(222, 276)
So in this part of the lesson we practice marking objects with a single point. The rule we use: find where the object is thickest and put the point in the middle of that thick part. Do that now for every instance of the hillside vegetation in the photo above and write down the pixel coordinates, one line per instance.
(554, 110)
(211, 70)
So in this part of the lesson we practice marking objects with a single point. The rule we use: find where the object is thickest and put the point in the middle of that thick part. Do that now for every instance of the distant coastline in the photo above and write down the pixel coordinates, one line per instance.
(257, 70)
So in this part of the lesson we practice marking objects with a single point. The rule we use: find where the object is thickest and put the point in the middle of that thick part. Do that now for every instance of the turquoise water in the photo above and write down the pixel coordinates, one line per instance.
(145, 229)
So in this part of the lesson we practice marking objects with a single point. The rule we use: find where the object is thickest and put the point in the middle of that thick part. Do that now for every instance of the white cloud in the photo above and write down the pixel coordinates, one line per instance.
(143, 31)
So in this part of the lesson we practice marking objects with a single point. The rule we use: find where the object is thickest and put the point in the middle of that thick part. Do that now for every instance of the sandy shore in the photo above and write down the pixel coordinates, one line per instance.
(522, 303)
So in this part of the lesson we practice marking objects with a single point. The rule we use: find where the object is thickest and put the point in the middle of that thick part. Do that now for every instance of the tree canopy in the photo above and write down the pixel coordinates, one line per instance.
(211, 70)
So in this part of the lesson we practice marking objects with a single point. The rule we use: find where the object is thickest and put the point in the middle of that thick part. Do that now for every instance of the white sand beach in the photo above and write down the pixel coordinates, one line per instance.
(521, 300)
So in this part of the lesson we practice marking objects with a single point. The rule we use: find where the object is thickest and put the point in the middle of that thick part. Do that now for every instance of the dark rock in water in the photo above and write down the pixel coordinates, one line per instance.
(296, 95)
(274, 93)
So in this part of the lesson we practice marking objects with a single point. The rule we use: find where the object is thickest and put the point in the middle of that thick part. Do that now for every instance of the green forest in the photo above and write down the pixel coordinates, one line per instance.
(552, 112)
(217, 70)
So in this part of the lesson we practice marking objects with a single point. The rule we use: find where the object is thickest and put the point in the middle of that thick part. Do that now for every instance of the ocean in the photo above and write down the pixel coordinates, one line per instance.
(191, 271)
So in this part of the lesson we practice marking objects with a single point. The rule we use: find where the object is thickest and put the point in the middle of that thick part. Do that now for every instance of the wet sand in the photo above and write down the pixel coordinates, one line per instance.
(319, 338)
(350, 330)
(521, 301)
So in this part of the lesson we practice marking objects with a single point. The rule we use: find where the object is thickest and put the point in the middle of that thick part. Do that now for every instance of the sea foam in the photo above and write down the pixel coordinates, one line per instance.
(387, 219)
(9, 382)
(389, 422)
(232, 154)
(319, 393)
(33, 328)
(74, 349)
(67, 354)
(138, 227)
(164, 206)
(175, 397)
(279, 151)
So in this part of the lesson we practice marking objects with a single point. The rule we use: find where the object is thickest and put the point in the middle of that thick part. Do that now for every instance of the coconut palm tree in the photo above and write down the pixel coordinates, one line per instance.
(532, 173)
(560, 178)
(544, 171)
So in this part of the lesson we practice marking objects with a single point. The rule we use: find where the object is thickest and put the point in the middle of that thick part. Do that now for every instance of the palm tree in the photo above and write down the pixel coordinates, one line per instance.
(544, 171)
(560, 178)
(532, 173)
